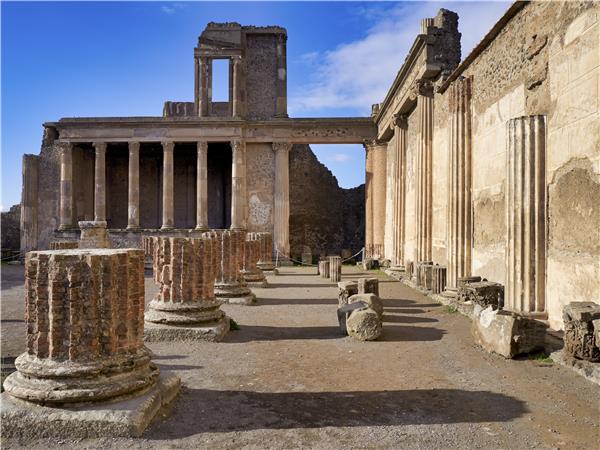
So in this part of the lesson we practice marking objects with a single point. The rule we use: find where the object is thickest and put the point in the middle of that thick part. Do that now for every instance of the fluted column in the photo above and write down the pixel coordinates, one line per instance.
(133, 208)
(526, 215)
(459, 231)
(202, 186)
(400, 132)
(238, 185)
(281, 86)
(368, 200)
(197, 85)
(66, 186)
(236, 97)
(168, 221)
(424, 171)
(379, 187)
(100, 182)
(281, 218)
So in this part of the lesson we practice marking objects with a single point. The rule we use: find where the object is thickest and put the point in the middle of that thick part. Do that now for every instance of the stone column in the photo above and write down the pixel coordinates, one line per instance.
(378, 189)
(265, 262)
(281, 217)
(29, 203)
(85, 327)
(236, 100)
(197, 85)
(66, 186)
(100, 182)
(168, 221)
(459, 231)
(204, 86)
(424, 198)
(368, 200)
(400, 132)
(133, 209)
(253, 275)
(230, 286)
(185, 306)
(281, 87)
(526, 216)
(238, 185)
(202, 186)
(335, 268)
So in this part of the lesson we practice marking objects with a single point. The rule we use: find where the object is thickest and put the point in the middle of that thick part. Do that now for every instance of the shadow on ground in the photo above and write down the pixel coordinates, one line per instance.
(226, 411)
(391, 333)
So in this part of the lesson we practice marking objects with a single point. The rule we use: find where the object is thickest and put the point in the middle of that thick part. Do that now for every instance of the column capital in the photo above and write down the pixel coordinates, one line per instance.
(133, 145)
(99, 146)
(168, 145)
(423, 87)
(202, 146)
(400, 120)
(371, 144)
(282, 146)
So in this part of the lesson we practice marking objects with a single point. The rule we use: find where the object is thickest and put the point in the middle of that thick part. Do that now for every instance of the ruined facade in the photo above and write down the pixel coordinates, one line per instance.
(490, 167)
(202, 165)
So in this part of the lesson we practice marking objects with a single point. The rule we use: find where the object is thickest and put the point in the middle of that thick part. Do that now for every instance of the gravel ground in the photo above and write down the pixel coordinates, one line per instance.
(287, 379)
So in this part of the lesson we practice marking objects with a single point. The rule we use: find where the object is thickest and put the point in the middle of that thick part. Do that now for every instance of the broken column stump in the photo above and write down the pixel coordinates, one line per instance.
(252, 274)
(148, 247)
(580, 336)
(438, 279)
(324, 269)
(424, 273)
(265, 262)
(346, 289)
(484, 293)
(185, 307)
(86, 371)
(93, 234)
(230, 286)
(335, 268)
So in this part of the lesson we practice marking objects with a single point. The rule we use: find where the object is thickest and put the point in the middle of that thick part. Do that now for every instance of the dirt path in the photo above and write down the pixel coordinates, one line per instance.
(287, 379)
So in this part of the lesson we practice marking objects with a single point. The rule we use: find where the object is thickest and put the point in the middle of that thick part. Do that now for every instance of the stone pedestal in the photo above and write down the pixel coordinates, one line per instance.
(505, 333)
(85, 328)
(230, 286)
(368, 286)
(335, 268)
(580, 331)
(93, 235)
(265, 262)
(253, 276)
(185, 306)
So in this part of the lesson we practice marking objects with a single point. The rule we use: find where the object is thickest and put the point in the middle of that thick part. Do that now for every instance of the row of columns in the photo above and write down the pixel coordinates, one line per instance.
(239, 209)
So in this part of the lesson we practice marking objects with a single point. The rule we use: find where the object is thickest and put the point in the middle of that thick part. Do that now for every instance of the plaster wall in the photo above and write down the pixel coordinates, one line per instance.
(260, 185)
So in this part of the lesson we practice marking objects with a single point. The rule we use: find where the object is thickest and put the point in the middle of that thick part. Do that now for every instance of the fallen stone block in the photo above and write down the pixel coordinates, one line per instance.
(580, 335)
(346, 289)
(371, 300)
(368, 286)
(483, 293)
(506, 333)
(369, 264)
(364, 324)
(343, 312)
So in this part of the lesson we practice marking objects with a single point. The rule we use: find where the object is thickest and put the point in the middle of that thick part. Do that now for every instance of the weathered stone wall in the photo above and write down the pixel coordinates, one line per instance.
(260, 169)
(323, 216)
(11, 228)
(261, 75)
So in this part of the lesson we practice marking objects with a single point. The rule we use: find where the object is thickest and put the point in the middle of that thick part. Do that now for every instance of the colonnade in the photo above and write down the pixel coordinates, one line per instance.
(239, 201)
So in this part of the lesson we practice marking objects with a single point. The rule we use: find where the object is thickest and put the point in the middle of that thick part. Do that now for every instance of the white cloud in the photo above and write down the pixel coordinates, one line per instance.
(357, 74)
(172, 8)
(340, 157)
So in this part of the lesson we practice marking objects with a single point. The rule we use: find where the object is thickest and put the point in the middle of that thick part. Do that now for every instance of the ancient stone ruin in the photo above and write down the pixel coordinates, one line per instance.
(253, 276)
(85, 330)
(185, 306)
(230, 286)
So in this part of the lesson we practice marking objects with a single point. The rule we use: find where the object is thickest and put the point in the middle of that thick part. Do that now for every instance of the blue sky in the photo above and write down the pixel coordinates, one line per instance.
(65, 59)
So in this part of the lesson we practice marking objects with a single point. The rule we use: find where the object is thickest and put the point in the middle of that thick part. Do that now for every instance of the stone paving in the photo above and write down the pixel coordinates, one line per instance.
(287, 379)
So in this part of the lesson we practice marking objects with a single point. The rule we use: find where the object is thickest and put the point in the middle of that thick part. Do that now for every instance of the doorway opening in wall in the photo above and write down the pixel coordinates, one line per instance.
(219, 160)
(221, 80)
(327, 199)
